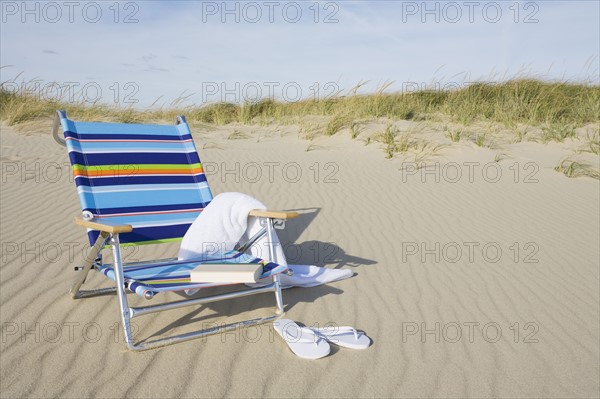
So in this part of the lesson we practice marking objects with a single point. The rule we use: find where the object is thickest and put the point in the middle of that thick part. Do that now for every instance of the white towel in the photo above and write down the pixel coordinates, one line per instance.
(222, 224)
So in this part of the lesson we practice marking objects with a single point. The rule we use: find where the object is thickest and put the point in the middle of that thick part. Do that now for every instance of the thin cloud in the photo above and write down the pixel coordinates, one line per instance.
(149, 57)
(152, 68)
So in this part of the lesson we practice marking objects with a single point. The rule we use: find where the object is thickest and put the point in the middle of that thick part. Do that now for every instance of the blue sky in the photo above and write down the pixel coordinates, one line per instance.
(140, 51)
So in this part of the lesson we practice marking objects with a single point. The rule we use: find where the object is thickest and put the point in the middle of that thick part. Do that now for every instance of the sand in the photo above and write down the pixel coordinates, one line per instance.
(483, 284)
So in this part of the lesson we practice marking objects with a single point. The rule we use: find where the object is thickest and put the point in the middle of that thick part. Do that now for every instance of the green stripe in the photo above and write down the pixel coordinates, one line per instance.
(137, 167)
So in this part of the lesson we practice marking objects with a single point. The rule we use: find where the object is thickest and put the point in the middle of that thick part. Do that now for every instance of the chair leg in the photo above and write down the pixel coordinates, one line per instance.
(87, 266)
(273, 258)
(120, 281)
(278, 295)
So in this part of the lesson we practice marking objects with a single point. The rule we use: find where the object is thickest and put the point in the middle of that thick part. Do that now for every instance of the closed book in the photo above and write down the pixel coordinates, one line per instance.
(226, 273)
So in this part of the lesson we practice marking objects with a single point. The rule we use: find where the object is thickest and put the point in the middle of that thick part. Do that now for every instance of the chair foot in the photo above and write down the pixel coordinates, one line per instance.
(92, 293)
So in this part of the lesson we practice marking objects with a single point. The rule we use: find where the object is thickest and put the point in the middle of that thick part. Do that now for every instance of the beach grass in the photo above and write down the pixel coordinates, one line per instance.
(593, 143)
(572, 168)
(388, 138)
(559, 107)
(453, 134)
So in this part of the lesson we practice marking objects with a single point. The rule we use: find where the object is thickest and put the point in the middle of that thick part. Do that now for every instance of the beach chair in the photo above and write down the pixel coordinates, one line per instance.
(144, 184)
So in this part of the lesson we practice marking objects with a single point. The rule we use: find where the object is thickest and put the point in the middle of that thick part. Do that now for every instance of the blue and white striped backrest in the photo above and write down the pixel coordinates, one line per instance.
(148, 176)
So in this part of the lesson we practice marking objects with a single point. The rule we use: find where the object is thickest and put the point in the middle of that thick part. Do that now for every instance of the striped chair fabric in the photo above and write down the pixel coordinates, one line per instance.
(148, 176)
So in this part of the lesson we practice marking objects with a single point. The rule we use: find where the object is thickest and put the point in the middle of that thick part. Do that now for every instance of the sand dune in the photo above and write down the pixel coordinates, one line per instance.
(473, 277)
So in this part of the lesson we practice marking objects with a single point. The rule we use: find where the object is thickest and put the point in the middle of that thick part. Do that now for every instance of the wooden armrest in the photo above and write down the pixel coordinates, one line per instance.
(273, 214)
(106, 226)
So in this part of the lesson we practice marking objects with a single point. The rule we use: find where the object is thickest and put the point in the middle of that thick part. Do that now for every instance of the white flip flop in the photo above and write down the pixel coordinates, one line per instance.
(303, 341)
(347, 337)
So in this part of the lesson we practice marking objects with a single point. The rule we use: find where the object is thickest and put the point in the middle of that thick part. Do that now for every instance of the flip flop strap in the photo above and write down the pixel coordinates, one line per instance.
(334, 330)
(314, 337)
